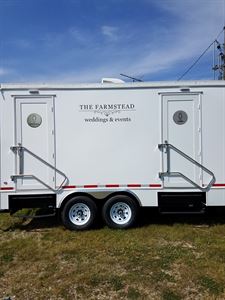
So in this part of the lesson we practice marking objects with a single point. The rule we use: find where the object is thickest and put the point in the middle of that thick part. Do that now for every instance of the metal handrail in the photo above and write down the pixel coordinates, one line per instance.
(178, 174)
(20, 149)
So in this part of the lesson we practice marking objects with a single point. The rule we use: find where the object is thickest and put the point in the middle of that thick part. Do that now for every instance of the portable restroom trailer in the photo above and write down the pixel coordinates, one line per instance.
(112, 147)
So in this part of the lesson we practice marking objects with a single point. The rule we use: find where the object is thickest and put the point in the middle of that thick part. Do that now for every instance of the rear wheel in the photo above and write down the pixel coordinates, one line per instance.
(120, 212)
(79, 213)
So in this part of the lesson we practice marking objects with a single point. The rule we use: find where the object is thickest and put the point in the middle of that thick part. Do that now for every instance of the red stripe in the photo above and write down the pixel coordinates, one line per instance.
(89, 186)
(219, 184)
(69, 187)
(6, 188)
(112, 185)
(154, 185)
(134, 185)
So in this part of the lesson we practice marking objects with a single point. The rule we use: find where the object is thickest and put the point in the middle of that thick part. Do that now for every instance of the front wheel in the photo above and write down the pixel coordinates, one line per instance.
(120, 212)
(79, 213)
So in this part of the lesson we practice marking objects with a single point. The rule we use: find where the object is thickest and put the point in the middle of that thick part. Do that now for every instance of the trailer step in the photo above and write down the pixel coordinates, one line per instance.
(44, 201)
(182, 203)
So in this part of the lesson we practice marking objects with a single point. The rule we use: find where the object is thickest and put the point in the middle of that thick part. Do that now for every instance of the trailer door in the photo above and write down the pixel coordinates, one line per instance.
(35, 132)
(181, 127)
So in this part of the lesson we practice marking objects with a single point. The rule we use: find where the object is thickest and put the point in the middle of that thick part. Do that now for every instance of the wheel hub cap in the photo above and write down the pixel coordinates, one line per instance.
(120, 213)
(79, 214)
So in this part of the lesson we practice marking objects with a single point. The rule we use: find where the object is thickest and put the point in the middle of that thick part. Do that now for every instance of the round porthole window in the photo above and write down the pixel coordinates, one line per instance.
(180, 117)
(34, 120)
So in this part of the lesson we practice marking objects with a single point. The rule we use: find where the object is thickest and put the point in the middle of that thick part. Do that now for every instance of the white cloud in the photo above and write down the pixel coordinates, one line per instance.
(78, 35)
(4, 71)
(110, 32)
(20, 43)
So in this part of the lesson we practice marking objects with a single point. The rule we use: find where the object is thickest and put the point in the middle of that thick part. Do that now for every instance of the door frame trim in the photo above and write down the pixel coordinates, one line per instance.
(17, 100)
(198, 95)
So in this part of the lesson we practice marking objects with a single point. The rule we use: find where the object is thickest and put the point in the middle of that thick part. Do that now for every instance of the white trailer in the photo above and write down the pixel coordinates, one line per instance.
(111, 148)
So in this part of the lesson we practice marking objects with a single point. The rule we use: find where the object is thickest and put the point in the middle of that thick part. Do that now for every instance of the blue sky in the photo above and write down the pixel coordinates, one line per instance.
(85, 40)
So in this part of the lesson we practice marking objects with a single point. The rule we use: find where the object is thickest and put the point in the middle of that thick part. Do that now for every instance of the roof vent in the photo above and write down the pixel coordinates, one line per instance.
(112, 80)
(34, 92)
(184, 89)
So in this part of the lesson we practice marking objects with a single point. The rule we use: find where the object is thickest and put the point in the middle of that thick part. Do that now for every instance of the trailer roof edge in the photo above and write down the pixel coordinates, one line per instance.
(152, 84)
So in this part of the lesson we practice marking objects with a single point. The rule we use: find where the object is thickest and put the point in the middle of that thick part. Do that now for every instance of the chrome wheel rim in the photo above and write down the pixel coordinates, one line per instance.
(79, 214)
(120, 213)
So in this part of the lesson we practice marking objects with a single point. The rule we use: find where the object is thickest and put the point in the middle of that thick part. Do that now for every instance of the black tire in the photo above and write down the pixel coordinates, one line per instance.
(79, 213)
(120, 212)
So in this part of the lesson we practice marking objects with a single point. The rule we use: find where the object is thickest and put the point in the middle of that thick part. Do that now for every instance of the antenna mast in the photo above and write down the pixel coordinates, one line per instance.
(133, 78)
(223, 59)
(220, 67)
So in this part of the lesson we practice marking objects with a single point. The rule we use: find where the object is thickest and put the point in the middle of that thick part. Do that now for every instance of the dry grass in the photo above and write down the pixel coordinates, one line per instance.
(166, 259)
